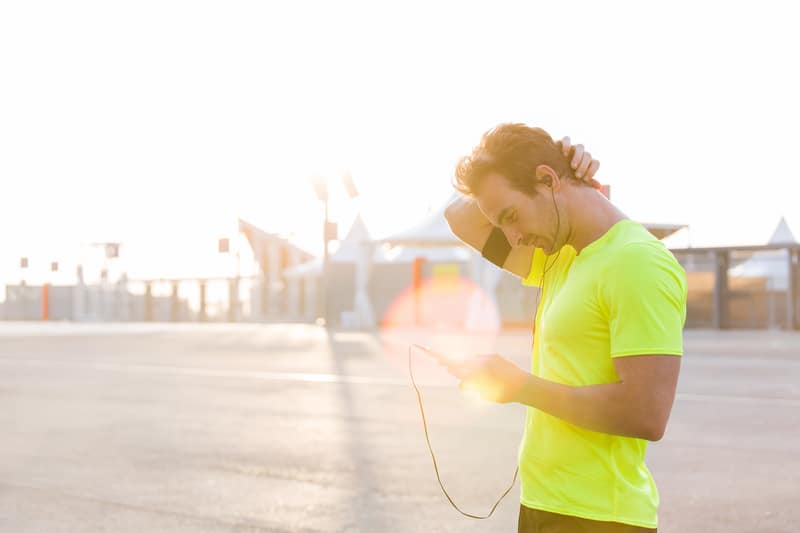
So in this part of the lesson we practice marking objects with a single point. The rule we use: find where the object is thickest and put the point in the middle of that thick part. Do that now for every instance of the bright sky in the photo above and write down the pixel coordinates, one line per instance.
(157, 123)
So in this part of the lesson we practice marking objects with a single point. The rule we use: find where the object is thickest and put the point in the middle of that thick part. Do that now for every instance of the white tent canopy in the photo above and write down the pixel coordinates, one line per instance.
(782, 234)
(771, 264)
(350, 247)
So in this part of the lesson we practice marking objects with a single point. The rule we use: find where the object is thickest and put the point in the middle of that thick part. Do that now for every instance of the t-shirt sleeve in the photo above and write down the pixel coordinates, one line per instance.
(644, 295)
(534, 277)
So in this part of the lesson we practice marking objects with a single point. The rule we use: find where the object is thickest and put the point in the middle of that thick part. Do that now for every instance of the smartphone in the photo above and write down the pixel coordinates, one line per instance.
(453, 365)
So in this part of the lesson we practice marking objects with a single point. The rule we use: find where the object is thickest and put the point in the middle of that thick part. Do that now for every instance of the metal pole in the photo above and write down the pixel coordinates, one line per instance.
(236, 284)
(175, 303)
(233, 298)
(720, 308)
(265, 284)
(202, 314)
(46, 302)
(324, 280)
(148, 301)
(793, 290)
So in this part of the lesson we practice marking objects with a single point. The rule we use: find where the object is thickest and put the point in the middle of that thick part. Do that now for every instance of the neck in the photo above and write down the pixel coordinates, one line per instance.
(591, 215)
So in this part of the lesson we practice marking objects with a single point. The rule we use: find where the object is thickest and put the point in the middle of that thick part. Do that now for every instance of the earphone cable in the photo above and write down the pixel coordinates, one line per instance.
(433, 456)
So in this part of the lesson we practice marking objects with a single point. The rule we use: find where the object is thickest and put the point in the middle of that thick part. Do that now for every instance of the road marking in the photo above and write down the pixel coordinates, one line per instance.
(307, 377)
(312, 377)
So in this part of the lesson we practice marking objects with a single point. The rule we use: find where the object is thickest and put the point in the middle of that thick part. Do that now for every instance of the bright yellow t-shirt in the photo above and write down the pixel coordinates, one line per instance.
(624, 294)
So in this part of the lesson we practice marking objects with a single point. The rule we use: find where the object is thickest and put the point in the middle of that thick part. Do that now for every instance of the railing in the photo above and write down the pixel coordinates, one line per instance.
(743, 287)
(163, 299)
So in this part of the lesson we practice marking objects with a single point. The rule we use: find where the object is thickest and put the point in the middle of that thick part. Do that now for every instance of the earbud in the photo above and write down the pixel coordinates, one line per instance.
(546, 180)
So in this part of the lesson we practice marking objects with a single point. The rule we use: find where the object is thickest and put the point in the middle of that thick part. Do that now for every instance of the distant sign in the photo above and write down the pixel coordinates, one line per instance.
(331, 231)
(446, 270)
(112, 250)
(223, 246)
(23, 262)
(54, 266)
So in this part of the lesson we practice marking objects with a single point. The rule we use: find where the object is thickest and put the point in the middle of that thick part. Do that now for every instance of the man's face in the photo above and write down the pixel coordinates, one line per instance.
(525, 220)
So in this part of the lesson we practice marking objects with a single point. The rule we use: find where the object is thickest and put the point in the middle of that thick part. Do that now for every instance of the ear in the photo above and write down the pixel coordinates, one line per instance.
(545, 174)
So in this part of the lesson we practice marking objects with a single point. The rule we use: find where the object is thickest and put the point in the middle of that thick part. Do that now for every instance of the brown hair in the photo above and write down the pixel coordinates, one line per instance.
(514, 151)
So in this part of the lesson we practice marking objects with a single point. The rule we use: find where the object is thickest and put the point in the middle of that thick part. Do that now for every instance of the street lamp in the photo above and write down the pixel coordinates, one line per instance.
(329, 229)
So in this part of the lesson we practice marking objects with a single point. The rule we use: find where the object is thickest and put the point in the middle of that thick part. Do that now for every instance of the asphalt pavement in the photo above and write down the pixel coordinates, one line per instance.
(289, 427)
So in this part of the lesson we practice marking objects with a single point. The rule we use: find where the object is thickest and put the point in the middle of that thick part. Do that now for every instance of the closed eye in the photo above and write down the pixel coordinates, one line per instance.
(508, 215)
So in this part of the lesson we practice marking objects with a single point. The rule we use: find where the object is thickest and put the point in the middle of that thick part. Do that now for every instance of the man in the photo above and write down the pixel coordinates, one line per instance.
(607, 331)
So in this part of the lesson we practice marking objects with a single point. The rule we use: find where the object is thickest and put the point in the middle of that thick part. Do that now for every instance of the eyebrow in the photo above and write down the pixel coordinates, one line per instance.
(503, 214)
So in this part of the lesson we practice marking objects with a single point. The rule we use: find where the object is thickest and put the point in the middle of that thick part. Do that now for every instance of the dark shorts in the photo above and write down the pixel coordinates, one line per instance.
(536, 521)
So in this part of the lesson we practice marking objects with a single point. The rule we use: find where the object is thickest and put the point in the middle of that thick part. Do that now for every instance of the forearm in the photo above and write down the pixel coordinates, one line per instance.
(468, 223)
(606, 408)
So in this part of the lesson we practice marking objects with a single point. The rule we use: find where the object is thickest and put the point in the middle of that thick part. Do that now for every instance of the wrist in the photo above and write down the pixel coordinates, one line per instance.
(525, 388)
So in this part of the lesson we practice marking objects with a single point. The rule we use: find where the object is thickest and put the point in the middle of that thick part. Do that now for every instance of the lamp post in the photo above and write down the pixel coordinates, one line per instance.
(23, 266)
(46, 293)
(329, 232)
(321, 189)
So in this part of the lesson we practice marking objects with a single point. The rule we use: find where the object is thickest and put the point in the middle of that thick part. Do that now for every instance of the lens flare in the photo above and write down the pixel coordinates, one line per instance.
(451, 314)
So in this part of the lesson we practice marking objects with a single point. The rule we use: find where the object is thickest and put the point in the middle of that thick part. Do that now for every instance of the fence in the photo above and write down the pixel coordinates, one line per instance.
(742, 287)
(731, 287)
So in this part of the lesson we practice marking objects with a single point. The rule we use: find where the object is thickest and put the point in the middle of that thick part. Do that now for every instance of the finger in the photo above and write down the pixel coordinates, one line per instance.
(592, 170)
(461, 370)
(584, 165)
(476, 363)
(577, 156)
(474, 367)
(457, 372)
(565, 145)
